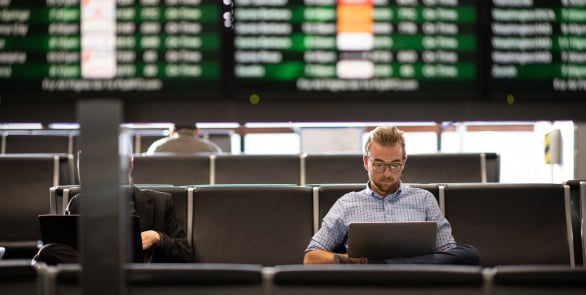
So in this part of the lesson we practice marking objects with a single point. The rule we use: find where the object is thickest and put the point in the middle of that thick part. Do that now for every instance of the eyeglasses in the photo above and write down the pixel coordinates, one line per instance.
(379, 166)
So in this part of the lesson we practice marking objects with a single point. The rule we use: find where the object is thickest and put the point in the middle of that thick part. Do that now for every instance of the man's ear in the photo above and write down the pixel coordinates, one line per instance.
(365, 162)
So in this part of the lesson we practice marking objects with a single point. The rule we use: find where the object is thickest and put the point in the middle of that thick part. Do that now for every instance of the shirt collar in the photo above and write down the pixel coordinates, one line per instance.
(374, 194)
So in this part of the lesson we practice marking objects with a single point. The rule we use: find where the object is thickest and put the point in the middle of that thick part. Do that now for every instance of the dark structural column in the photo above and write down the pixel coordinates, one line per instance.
(104, 214)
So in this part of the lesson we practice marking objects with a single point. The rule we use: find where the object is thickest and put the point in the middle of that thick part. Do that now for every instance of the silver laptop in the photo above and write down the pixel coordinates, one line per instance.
(385, 240)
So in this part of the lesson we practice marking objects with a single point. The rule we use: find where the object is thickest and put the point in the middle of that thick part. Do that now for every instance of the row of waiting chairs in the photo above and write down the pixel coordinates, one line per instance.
(184, 169)
(67, 141)
(545, 214)
(20, 277)
(307, 168)
(26, 177)
(39, 141)
(510, 224)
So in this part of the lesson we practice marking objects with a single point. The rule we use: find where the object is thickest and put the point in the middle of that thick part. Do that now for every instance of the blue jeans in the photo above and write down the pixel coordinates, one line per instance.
(460, 255)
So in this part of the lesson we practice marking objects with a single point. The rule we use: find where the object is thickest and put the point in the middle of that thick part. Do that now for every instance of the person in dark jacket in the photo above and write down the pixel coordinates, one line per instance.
(163, 238)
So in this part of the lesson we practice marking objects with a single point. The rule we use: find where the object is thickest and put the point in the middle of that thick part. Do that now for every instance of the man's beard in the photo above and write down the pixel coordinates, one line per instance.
(386, 185)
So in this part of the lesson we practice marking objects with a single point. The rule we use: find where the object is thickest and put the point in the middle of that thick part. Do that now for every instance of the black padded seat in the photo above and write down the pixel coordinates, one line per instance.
(450, 167)
(172, 278)
(256, 169)
(334, 168)
(539, 280)
(176, 169)
(512, 223)
(42, 142)
(252, 224)
(377, 279)
(25, 180)
(20, 277)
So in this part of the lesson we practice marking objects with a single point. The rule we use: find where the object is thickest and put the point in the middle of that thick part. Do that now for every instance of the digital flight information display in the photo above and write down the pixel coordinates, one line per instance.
(538, 48)
(110, 46)
(399, 50)
(336, 46)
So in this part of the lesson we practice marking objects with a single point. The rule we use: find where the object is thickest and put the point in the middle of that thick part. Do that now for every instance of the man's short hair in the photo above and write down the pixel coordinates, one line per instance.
(385, 136)
(192, 126)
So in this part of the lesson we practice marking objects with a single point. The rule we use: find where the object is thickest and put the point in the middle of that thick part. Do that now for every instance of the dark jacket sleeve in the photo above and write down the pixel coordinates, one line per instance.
(173, 246)
(157, 212)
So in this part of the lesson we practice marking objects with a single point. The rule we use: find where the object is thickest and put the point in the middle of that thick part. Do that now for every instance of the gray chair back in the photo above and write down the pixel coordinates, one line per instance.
(41, 142)
(451, 167)
(25, 180)
(538, 280)
(251, 224)
(333, 168)
(256, 169)
(512, 223)
(377, 279)
(170, 278)
(20, 277)
(175, 169)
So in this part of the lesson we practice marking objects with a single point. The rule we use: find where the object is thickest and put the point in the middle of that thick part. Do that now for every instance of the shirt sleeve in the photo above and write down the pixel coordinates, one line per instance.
(173, 244)
(444, 240)
(332, 232)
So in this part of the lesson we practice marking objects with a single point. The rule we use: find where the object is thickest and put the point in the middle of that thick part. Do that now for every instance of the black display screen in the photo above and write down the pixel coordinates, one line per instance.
(288, 50)
(126, 47)
(389, 48)
(538, 49)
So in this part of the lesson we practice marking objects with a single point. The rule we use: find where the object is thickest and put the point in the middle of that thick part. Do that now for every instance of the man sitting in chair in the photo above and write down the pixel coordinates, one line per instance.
(163, 238)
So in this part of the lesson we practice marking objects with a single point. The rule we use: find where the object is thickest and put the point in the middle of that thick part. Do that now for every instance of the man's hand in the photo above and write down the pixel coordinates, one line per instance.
(345, 259)
(149, 239)
(326, 257)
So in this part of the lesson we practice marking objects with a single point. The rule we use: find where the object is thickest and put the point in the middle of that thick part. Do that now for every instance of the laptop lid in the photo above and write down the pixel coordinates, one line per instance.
(385, 240)
(63, 229)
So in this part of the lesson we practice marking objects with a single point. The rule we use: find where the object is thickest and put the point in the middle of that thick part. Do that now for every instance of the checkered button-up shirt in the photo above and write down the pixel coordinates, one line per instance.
(407, 204)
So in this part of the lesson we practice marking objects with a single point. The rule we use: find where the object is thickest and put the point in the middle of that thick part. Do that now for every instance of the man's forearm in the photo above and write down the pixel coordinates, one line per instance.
(318, 257)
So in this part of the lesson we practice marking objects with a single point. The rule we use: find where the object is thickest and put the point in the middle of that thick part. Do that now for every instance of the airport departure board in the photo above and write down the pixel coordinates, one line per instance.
(336, 46)
(396, 50)
(538, 48)
(110, 46)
